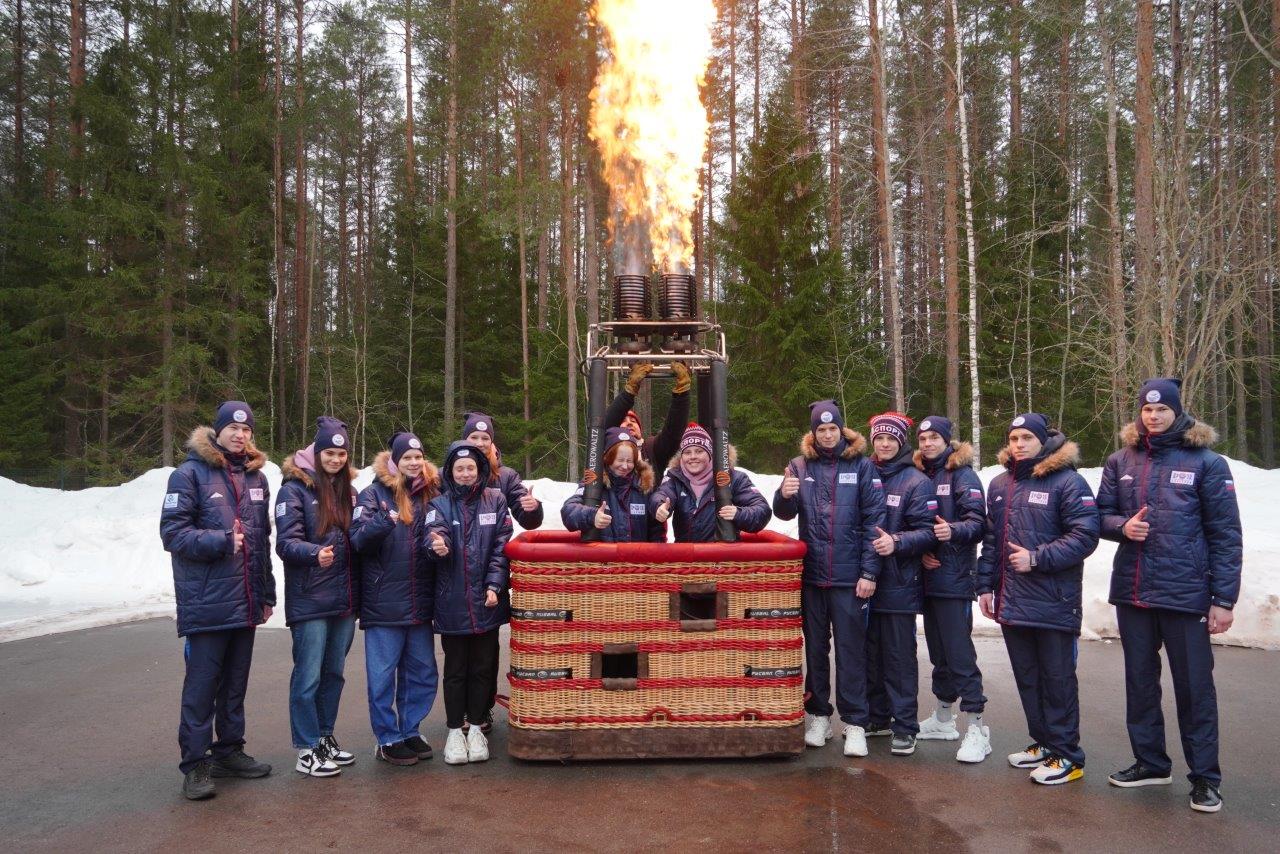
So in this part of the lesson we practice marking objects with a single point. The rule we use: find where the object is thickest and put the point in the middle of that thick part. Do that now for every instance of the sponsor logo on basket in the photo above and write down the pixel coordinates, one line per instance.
(772, 613)
(542, 672)
(771, 672)
(542, 614)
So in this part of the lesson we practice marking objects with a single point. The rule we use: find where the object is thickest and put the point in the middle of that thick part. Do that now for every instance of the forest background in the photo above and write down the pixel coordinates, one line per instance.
(392, 212)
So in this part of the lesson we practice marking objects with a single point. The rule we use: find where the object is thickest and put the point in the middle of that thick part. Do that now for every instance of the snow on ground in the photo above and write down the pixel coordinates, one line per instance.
(70, 560)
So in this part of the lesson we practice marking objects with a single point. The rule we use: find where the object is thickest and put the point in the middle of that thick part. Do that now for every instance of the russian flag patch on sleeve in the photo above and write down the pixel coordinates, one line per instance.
(931, 504)
(974, 492)
(1230, 485)
(1087, 500)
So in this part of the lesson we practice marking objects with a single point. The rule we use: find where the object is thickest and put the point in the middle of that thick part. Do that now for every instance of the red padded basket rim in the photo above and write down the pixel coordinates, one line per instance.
(567, 547)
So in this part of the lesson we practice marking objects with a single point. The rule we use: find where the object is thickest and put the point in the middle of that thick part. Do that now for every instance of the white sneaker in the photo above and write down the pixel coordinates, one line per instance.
(855, 741)
(1031, 757)
(455, 748)
(932, 729)
(977, 744)
(817, 730)
(477, 746)
(315, 763)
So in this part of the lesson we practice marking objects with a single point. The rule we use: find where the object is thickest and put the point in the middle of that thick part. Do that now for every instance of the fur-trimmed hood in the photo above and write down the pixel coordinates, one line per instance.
(857, 444)
(961, 456)
(382, 471)
(1198, 435)
(643, 473)
(290, 470)
(203, 443)
(674, 462)
(1062, 453)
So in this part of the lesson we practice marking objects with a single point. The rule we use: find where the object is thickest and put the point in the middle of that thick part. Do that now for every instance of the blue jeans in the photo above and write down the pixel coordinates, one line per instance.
(400, 662)
(320, 649)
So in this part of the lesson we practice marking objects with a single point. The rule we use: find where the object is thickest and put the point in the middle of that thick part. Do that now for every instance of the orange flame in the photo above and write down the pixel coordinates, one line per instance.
(649, 122)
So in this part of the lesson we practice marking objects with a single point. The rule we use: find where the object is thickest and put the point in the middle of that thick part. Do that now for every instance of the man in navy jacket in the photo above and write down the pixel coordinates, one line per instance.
(214, 523)
(1171, 504)
(950, 575)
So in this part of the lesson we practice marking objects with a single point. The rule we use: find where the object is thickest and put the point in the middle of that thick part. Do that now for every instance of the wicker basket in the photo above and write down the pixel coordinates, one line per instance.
(648, 650)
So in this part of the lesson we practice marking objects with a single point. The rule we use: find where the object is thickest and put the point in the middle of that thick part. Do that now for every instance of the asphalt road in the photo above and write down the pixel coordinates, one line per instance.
(88, 761)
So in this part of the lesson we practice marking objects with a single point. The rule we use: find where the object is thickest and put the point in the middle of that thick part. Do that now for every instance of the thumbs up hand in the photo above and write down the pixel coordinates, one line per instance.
(603, 519)
(237, 537)
(883, 544)
(663, 513)
(941, 529)
(438, 545)
(325, 556)
(790, 484)
(1019, 558)
(1137, 528)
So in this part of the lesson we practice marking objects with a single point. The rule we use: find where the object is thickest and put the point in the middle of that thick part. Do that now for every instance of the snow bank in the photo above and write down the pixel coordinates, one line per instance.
(72, 560)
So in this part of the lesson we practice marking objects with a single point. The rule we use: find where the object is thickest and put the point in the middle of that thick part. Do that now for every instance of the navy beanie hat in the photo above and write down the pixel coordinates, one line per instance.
(331, 434)
(1033, 421)
(825, 412)
(232, 412)
(938, 424)
(401, 443)
(616, 436)
(478, 421)
(1166, 390)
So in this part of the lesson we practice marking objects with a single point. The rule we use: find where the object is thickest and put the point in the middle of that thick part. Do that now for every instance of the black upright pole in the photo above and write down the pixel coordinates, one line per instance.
(726, 531)
(705, 413)
(594, 472)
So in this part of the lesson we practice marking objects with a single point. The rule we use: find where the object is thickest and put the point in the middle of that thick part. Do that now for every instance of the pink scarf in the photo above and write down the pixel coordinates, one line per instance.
(699, 483)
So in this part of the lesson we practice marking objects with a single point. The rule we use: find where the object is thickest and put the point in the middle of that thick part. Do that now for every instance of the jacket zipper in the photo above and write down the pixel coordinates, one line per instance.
(413, 568)
(244, 548)
(831, 537)
(466, 574)
(1004, 535)
(1142, 501)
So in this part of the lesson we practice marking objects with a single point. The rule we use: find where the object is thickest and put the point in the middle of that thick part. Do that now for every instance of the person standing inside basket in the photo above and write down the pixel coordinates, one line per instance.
(321, 590)
(660, 447)
(1170, 502)
(623, 515)
(687, 493)
(950, 572)
(832, 487)
(397, 598)
(1042, 522)
(467, 530)
(907, 534)
(214, 524)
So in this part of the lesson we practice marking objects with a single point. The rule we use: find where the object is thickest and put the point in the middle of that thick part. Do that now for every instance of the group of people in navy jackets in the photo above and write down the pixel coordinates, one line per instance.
(894, 530)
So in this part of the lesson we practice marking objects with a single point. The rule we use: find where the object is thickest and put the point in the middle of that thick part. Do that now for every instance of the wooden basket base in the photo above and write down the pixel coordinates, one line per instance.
(656, 743)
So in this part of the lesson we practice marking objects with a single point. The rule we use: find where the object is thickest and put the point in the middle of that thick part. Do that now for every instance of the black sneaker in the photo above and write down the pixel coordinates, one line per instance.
(903, 744)
(196, 785)
(1137, 775)
(396, 754)
(239, 764)
(418, 745)
(1205, 797)
(337, 755)
(487, 726)
(874, 729)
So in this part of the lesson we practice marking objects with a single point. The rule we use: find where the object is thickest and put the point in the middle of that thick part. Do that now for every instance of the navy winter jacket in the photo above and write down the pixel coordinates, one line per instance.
(628, 505)
(693, 520)
(910, 506)
(310, 590)
(840, 503)
(397, 583)
(215, 587)
(1044, 506)
(960, 502)
(1191, 557)
(477, 526)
